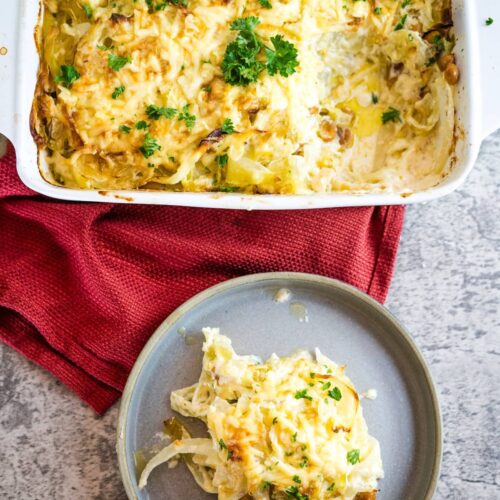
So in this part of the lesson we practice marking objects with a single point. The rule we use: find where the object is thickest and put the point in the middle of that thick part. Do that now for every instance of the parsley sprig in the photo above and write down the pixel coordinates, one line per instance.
(243, 59)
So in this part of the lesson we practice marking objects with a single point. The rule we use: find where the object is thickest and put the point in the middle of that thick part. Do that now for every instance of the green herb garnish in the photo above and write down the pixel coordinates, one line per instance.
(296, 479)
(228, 126)
(283, 59)
(156, 112)
(141, 125)
(391, 115)
(243, 62)
(489, 21)
(266, 4)
(303, 395)
(294, 492)
(221, 160)
(401, 23)
(150, 146)
(222, 445)
(118, 92)
(116, 63)
(68, 76)
(88, 10)
(353, 456)
(186, 117)
(124, 129)
(335, 394)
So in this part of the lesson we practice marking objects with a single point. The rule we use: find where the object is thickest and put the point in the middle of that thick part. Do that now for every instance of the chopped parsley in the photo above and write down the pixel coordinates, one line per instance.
(391, 115)
(88, 10)
(330, 488)
(222, 445)
(68, 76)
(294, 492)
(228, 189)
(125, 129)
(401, 23)
(150, 146)
(374, 98)
(312, 375)
(156, 112)
(243, 61)
(304, 462)
(275, 420)
(222, 162)
(489, 21)
(335, 394)
(294, 437)
(162, 4)
(187, 117)
(377, 11)
(266, 4)
(296, 479)
(405, 3)
(265, 485)
(353, 456)
(141, 125)
(228, 126)
(118, 92)
(326, 385)
(207, 89)
(303, 395)
(116, 63)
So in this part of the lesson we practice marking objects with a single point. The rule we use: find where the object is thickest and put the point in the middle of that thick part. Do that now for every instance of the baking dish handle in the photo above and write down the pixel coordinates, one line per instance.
(489, 54)
(8, 56)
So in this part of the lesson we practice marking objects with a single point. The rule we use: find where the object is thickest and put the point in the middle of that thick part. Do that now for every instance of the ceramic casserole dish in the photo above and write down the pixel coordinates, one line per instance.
(477, 110)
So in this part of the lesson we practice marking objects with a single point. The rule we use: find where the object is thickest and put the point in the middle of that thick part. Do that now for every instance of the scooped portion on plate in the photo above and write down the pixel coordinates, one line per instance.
(289, 427)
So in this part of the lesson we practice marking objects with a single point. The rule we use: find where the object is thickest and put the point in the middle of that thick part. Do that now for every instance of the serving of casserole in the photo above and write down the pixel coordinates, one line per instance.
(246, 104)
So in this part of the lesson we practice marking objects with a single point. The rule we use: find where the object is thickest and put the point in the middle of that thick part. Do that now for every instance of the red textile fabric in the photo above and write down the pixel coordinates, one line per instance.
(83, 286)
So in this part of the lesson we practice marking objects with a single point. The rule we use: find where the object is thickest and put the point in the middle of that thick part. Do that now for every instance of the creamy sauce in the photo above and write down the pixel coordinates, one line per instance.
(282, 295)
(369, 394)
(299, 310)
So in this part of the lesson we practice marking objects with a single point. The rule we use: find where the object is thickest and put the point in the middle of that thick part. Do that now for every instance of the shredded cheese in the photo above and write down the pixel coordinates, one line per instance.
(318, 130)
(292, 424)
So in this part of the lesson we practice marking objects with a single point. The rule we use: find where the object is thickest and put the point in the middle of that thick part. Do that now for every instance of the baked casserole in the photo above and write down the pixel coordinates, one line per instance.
(250, 96)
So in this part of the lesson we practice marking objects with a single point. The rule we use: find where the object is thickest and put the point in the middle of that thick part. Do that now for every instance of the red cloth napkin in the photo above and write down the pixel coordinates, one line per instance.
(83, 286)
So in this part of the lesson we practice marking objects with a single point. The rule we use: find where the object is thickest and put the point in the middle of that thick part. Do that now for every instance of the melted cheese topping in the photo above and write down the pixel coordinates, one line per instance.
(318, 130)
(292, 424)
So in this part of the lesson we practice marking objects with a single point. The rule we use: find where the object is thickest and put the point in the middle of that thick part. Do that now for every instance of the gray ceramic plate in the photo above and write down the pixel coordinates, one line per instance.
(347, 325)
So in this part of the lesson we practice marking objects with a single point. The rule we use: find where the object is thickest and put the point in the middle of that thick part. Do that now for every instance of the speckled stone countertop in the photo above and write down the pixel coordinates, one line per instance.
(446, 290)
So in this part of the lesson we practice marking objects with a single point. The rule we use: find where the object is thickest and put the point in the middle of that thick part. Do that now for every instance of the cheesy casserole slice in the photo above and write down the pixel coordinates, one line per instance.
(289, 427)
(251, 96)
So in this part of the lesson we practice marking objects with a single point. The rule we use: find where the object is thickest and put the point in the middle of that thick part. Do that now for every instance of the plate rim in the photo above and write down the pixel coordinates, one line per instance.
(200, 297)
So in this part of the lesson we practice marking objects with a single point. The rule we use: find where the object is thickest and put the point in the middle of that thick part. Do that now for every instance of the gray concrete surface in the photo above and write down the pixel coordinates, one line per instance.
(446, 290)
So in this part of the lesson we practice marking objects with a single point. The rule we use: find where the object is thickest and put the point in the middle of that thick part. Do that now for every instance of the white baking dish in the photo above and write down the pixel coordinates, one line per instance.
(478, 114)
